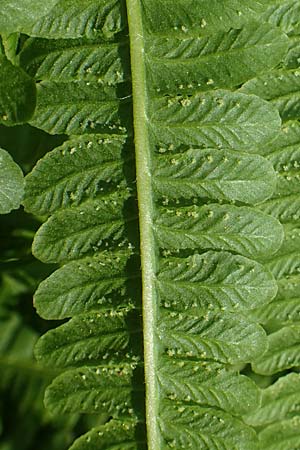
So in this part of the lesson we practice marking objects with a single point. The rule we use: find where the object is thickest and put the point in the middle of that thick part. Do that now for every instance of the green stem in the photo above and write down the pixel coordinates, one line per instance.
(146, 209)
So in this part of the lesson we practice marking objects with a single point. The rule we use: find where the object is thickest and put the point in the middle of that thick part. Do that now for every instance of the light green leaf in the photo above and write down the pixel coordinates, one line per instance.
(293, 57)
(224, 338)
(281, 88)
(83, 167)
(283, 352)
(288, 136)
(80, 107)
(101, 207)
(95, 225)
(281, 436)
(286, 270)
(203, 384)
(92, 283)
(21, 15)
(291, 243)
(216, 119)
(221, 227)
(287, 167)
(214, 174)
(114, 435)
(86, 390)
(86, 339)
(63, 18)
(285, 208)
(11, 183)
(210, 16)
(279, 312)
(284, 14)
(279, 401)
(76, 59)
(207, 62)
(17, 94)
(214, 280)
(180, 428)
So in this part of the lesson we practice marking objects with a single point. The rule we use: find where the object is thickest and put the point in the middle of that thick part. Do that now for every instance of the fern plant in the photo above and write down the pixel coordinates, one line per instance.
(171, 209)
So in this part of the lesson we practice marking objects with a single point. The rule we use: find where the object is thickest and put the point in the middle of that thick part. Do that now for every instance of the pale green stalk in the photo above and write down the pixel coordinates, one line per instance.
(144, 190)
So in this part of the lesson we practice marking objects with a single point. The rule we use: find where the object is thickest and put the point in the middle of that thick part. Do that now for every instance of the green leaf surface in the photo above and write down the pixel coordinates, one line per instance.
(21, 15)
(286, 270)
(210, 16)
(238, 229)
(114, 435)
(282, 311)
(213, 280)
(216, 119)
(85, 339)
(281, 88)
(224, 338)
(83, 167)
(76, 59)
(284, 14)
(163, 267)
(72, 19)
(80, 107)
(291, 243)
(17, 94)
(208, 62)
(86, 390)
(283, 352)
(93, 226)
(288, 136)
(214, 174)
(203, 384)
(292, 58)
(281, 436)
(180, 429)
(286, 165)
(279, 401)
(285, 208)
(11, 183)
(92, 283)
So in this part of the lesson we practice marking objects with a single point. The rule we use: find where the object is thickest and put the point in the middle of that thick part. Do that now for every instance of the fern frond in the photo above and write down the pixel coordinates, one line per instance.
(224, 176)
(278, 416)
(214, 281)
(111, 296)
(279, 402)
(216, 119)
(185, 63)
(17, 93)
(280, 87)
(200, 262)
(11, 183)
(225, 338)
(238, 229)
(16, 16)
(209, 18)
(119, 435)
(207, 384)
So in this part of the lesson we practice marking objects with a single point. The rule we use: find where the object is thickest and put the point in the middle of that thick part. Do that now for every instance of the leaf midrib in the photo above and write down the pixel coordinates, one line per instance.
(146, 214)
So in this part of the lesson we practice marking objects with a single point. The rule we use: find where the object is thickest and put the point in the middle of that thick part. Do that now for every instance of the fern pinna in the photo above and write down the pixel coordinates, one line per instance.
(166, 208)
